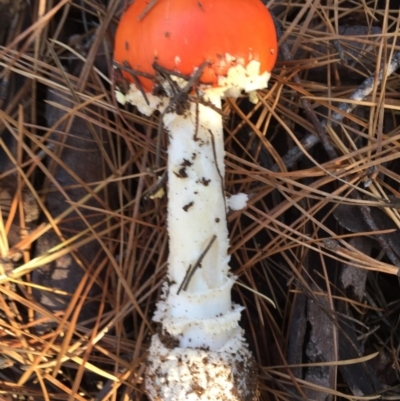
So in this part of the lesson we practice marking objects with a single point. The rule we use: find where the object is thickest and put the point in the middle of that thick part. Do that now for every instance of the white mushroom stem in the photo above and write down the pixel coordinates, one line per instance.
(198, 235)
(196, 200)
(212, 360)
(200, 353)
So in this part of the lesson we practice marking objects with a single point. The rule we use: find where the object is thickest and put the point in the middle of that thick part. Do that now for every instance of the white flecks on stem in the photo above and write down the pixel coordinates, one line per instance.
(238, 201)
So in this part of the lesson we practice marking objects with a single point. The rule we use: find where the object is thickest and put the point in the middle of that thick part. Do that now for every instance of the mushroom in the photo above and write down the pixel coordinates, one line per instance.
(181, 57)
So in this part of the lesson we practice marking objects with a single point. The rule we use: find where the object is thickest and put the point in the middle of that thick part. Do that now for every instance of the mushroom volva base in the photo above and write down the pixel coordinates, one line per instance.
(177, 374)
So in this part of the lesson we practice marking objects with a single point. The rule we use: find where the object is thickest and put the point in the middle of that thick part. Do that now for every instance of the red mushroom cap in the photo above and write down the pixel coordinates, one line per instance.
(180, 35)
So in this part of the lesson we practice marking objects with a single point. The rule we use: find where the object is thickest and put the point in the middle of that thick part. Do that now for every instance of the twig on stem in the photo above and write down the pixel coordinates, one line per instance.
(191, 269)
(180, 97)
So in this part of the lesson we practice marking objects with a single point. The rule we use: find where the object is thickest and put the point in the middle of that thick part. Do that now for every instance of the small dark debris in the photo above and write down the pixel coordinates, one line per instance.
(198, 390)
(167, 340)
(189, 205)
(181, 173)
(205, 181)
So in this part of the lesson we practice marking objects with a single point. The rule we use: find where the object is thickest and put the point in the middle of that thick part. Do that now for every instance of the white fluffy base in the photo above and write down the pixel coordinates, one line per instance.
(187, 374)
